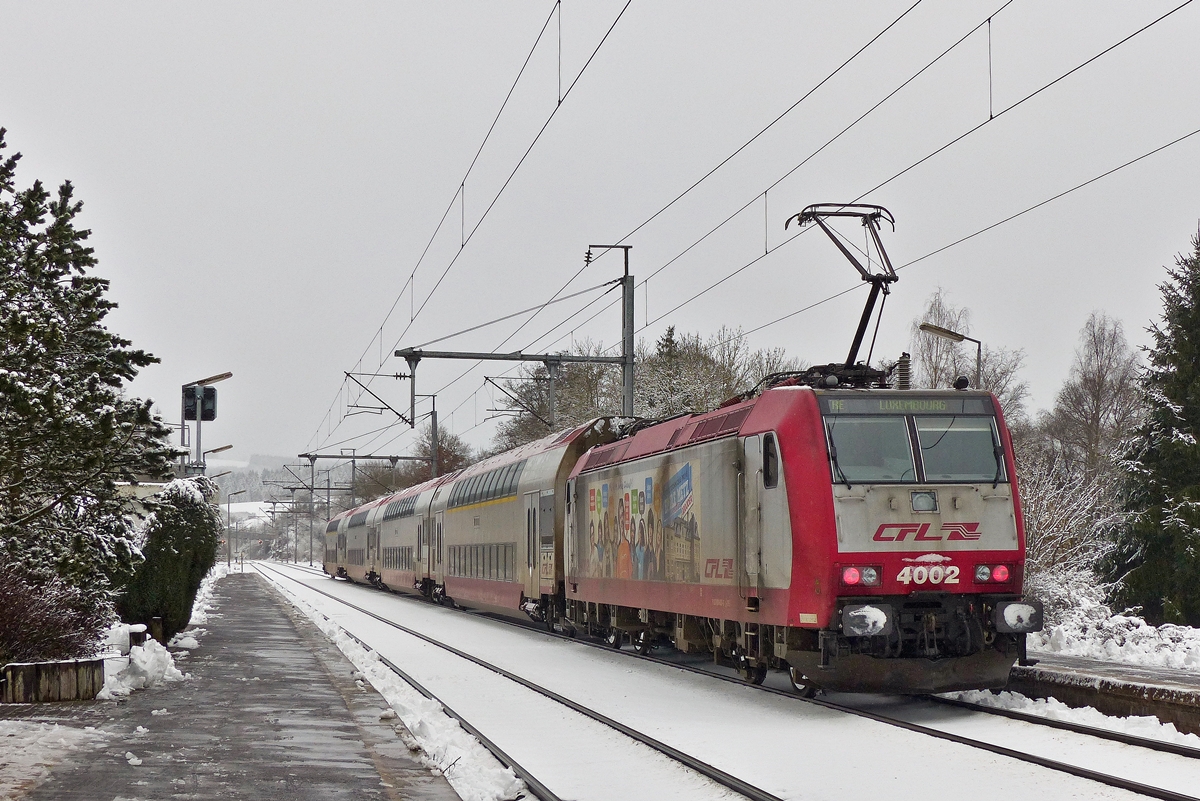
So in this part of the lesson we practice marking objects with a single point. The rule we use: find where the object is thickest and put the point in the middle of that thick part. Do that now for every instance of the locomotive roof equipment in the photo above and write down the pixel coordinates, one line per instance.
(852, 373)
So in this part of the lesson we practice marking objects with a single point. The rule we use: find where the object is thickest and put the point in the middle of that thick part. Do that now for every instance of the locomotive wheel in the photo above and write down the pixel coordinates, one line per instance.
(801, 684)
(643, 642)
(613, 637)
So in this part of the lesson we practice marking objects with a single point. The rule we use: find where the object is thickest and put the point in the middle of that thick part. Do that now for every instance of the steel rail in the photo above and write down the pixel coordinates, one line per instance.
(1063, 767)
(535, 786)
(1078, 728)
(705, 769)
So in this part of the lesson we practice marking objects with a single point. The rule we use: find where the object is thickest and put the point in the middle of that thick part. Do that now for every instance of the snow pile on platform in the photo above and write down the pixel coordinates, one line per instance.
(150, 665)
(447, 748)
(31, 749)
(1123, 638)
(116, 639)
(204, 596)
(1146, 726)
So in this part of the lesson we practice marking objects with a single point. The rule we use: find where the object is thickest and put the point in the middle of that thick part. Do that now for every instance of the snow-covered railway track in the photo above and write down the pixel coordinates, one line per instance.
(810, 753)
(1077, 728)
(536, 786)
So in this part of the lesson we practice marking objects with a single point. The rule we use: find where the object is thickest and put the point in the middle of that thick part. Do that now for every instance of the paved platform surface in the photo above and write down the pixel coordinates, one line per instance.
(1173, 696)
(1185, 680)
(271, 712)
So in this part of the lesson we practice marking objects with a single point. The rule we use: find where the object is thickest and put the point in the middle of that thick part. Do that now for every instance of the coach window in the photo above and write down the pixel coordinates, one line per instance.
(507, 486)
(770, 462)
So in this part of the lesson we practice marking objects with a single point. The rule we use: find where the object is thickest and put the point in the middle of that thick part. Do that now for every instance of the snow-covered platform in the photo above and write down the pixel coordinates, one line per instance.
(271, 711)
(1114, 688)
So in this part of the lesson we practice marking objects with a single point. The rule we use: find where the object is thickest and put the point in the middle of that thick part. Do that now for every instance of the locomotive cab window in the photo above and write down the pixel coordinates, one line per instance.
(959, 449)
(770, 458)
(911, 439)
(867, 449)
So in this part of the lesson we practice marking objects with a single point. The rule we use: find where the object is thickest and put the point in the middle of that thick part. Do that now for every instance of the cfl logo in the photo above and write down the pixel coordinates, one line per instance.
(900, 532)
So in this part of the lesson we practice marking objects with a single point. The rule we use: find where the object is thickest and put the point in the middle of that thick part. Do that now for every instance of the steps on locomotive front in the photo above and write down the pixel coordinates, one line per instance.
(1113, 688)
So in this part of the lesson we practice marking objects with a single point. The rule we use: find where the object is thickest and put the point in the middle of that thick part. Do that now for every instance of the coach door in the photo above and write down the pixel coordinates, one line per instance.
(439, 542)
(750, 546)
(532, 582)
(372, 546)
(546, 540)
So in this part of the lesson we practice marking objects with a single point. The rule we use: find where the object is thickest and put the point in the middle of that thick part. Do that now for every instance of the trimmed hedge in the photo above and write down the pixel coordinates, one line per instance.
(183, 534)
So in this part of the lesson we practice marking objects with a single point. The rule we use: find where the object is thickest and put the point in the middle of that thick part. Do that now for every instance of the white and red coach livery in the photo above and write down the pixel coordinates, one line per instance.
(866, 539)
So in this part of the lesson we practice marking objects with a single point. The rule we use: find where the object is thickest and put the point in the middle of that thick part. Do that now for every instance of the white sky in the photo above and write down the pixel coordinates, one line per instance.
(262, 178)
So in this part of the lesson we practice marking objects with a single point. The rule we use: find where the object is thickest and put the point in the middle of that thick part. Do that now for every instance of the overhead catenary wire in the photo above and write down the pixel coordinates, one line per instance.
(980, 231)
(709, 173)
(744, 145)
(915, 164)
(466, 239)
(459, 191)
(512, 174)
(768, 250)
(907, 169)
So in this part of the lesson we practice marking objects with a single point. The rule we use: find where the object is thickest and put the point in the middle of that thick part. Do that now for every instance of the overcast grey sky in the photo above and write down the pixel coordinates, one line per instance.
(261, 179)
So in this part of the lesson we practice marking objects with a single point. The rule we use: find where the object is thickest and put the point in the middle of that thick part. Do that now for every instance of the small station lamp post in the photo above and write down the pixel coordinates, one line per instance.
(954, 336)
(229, 525)
(204, 461)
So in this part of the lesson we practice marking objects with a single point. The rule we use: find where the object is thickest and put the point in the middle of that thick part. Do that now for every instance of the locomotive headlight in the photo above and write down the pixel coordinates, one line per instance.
(924, 501)
(983, 573)
(870, 576)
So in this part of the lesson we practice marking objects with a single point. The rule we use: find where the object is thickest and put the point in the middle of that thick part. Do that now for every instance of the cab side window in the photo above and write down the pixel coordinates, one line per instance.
(770, 462)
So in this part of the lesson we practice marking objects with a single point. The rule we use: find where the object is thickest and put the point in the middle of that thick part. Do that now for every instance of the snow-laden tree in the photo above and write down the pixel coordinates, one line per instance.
(681, 373)
(1158, 563)
(1070, 520)
(375, 479)
(1099, 404)
(68, 434)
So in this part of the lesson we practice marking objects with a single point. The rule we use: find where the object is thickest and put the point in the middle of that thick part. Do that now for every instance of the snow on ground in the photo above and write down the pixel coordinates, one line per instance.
(765, 738)
(445, 746)
(31, 749)
(1123, 638)
(1146, 726)
(204, 597)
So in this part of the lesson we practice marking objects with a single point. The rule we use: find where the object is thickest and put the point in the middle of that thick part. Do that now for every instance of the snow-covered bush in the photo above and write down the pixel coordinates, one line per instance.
(45, 620)
(1069, 522)
(182, 536)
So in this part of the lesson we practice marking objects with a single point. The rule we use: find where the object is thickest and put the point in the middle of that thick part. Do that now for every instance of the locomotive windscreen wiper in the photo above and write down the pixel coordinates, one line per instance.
(998, 452)
(837, 468)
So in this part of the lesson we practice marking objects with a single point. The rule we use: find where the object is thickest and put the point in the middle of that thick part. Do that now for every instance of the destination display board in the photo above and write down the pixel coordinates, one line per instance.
(906, 404)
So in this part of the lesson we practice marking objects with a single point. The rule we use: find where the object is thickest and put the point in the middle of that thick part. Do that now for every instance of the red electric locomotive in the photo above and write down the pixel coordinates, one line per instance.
(864, 539)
